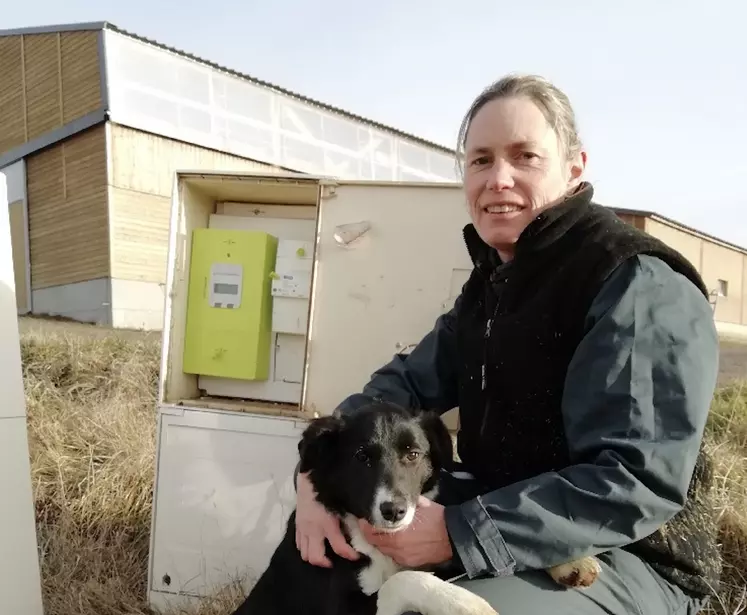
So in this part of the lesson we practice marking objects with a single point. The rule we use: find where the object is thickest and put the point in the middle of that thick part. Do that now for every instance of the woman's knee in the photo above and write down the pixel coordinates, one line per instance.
(626, 585)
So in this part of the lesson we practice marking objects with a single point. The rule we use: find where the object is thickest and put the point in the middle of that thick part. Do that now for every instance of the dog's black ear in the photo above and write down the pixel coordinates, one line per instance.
(439, 439)
(319, 442)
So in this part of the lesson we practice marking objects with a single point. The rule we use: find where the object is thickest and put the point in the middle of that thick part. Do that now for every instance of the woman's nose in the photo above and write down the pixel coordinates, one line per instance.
(501, 176)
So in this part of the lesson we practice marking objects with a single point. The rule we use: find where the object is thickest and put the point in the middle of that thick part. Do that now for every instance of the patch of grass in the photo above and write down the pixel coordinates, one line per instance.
(91, 403)
(92, 407)
(727, 441)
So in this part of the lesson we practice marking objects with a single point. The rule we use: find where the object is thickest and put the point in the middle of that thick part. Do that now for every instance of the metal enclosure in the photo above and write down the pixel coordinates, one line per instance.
(388, 259)
(20, 584)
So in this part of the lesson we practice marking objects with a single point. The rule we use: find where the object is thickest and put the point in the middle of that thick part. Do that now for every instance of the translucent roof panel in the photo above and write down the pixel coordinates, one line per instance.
(159, 91)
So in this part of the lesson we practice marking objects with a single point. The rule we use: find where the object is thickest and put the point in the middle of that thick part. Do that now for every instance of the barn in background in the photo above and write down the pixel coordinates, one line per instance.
(95, 120)
(93, 123)
(722, 265)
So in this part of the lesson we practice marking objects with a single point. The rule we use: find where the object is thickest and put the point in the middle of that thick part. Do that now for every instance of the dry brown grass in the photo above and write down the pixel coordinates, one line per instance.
(91, 403)
(91, 434)
(727, 438)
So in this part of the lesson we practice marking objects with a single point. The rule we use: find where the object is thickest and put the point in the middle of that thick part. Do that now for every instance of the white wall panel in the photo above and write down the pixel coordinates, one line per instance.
(20, 584)
(15, 178)
(15, 182)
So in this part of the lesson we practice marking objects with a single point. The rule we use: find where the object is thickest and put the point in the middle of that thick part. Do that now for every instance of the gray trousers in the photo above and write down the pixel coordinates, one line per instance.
(627, 586)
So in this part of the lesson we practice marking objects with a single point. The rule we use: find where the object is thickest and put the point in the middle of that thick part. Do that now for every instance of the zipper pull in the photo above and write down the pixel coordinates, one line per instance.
(488, 328)
(484, 379)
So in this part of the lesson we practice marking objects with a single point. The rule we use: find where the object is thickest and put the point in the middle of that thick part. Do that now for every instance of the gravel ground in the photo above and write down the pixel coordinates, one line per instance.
(62, 326)
(733, 362)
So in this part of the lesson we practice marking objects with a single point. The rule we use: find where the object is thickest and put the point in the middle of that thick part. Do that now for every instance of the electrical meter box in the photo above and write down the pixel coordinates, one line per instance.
(291, 287)
(326, 281)
(229, 306)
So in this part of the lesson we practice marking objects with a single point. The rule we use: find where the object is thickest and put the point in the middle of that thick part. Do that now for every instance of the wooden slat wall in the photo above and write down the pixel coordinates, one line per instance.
(81, 77)
(143, 167)
(46, 81)
(140, 231)
(637, 221)
(12, 109)
(42, 77)
(18, 247)
(68, 213)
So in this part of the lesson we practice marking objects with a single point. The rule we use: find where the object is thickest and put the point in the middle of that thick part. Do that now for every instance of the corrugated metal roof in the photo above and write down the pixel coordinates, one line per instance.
(101, 25)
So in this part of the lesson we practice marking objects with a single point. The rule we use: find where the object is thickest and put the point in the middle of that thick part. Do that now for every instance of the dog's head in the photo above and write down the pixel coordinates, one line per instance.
(375, 463)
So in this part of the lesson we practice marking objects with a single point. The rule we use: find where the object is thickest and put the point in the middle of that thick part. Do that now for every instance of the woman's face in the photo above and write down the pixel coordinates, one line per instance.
(514, 169)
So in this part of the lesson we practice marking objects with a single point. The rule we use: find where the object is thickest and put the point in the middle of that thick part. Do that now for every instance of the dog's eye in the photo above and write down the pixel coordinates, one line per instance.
(362, 456)
(412, 455)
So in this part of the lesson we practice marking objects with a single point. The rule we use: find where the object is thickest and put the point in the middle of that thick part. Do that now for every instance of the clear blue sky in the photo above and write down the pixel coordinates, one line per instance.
(659, 86)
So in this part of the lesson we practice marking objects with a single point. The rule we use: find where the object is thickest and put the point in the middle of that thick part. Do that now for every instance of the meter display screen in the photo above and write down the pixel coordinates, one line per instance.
(225, 285)
(226, 289)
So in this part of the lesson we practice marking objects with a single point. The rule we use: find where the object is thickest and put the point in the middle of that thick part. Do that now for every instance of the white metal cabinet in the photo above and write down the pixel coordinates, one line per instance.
(223, 496)
(224, 472)
(20, 585)
(384, 291)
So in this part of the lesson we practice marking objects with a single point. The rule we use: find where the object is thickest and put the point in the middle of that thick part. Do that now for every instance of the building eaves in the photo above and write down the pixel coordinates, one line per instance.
(680, 226)
(105, 25)
(53, 29)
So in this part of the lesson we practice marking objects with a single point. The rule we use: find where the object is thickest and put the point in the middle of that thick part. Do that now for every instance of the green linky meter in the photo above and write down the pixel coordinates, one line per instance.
(229, 304)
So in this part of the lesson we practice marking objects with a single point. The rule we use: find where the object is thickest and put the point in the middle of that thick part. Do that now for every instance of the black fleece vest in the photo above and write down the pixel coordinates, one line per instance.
(518, 327)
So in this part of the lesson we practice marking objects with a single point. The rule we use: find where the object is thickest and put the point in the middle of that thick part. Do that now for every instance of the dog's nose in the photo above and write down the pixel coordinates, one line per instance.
(393, 510)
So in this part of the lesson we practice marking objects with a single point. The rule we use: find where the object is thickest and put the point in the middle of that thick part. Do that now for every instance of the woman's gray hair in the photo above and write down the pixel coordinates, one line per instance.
(551, 101)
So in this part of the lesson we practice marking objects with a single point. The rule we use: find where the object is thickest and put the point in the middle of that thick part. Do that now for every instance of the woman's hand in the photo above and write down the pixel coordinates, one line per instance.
(425, 542)
(313, 524)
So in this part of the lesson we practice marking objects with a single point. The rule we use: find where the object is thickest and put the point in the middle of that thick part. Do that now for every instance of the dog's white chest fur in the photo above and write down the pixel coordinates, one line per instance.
(373, 576)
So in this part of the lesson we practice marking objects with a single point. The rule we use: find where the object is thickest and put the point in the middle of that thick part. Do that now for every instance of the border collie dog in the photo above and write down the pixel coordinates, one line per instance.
(372, 465)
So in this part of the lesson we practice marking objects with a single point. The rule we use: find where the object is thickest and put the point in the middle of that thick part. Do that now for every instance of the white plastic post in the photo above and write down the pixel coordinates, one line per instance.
(20, 580)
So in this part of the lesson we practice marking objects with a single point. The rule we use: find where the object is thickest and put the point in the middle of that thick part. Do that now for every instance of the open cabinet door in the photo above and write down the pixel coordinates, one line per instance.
(381, 293)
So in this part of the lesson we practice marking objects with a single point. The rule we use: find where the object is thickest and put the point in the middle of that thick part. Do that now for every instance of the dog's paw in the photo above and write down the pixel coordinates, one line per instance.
(578, 573)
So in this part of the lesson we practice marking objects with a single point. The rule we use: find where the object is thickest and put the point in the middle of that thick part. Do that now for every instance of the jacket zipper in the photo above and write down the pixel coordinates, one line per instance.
(484, 368)
(486, 339)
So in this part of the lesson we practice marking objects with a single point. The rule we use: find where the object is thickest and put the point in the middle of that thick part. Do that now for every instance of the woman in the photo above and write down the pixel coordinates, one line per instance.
(582, 355)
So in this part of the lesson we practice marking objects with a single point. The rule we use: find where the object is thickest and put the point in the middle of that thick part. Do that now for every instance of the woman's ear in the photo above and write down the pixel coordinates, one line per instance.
(577, 167)
(318, 444)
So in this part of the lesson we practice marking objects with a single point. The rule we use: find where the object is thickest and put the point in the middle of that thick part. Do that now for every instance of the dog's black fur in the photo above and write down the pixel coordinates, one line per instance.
(348, 459)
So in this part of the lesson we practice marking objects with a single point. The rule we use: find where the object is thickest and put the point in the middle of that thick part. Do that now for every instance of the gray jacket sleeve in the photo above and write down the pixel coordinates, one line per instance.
(636, 401)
